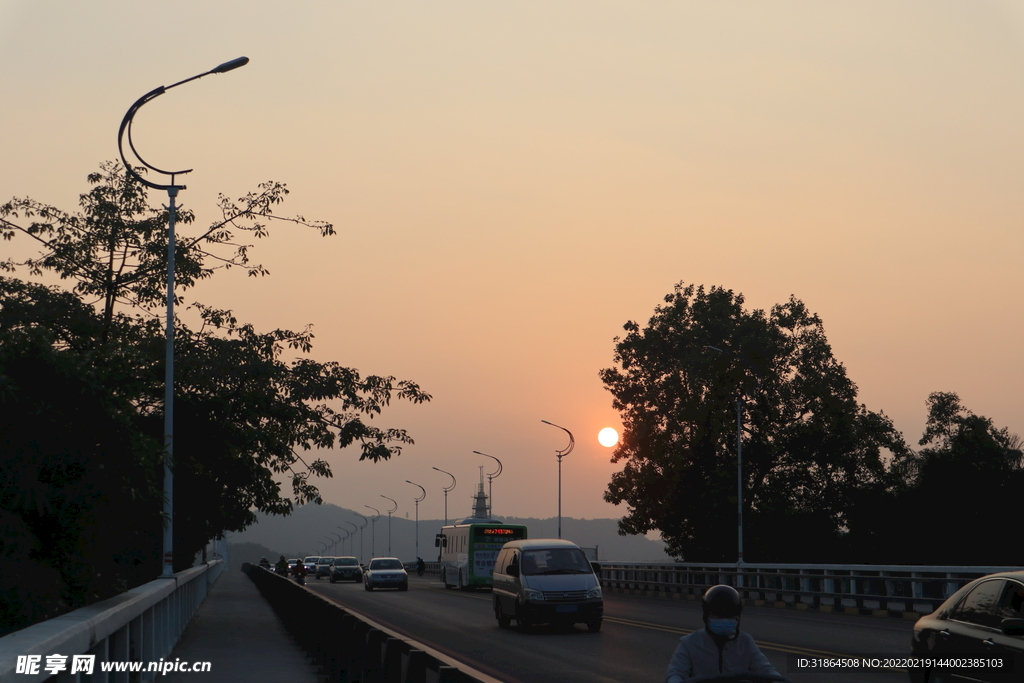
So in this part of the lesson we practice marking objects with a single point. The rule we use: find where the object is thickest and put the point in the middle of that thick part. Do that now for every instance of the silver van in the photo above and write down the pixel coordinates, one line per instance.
(546, 581)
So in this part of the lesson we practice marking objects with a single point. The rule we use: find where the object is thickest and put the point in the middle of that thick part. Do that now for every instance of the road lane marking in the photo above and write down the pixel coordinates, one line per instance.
(778, 647)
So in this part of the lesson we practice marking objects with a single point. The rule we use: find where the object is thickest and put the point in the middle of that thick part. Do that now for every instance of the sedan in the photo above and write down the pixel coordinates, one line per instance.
(346, 569)
(980, 629)
(310, 563)
(323, 567)
(385, 572)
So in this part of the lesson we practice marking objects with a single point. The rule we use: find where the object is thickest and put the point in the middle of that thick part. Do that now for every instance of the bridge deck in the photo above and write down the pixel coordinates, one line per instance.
(239, 634)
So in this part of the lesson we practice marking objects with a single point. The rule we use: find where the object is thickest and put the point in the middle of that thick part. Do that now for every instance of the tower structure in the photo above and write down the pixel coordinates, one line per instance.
(480, 507)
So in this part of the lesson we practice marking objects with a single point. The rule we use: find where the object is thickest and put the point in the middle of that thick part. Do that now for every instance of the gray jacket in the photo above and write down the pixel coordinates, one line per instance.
(697, 655)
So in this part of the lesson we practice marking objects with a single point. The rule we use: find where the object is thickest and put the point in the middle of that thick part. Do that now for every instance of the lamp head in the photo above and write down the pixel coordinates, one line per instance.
(228, 66)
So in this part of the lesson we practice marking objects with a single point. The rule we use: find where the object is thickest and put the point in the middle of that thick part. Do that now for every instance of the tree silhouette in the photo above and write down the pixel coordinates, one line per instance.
(811, 453)
(251, 403)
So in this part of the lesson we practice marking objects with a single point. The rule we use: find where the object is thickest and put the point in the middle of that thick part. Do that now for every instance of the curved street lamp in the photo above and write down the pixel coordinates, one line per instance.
(490, 483)
(446, 490)
(389, 520)
(561, 454)
(347, 536)
(363, 526)
(172, 193)
(351, 549)
(335, 545)
(417, 501)
(373, 532)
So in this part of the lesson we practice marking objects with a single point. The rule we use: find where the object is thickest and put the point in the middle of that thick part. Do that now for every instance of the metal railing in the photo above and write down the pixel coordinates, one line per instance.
(140, 625)
(893, 588)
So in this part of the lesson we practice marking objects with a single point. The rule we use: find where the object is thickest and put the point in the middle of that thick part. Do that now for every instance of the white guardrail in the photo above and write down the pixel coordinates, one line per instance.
(893, 589)
(142, 624)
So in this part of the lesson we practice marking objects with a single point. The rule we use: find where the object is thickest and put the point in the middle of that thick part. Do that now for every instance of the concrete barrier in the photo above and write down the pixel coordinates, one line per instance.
(352, 647)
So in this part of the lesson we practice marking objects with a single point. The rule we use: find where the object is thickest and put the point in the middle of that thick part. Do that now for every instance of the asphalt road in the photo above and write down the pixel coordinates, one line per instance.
(634, 646)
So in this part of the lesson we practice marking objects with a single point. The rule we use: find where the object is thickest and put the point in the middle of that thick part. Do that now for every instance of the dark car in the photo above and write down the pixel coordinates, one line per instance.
(346, 569)
(386, 572)
(323, 567)
(979, 629)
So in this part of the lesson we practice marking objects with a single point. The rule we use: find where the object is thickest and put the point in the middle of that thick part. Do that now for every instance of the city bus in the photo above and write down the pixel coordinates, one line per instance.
(468, 551)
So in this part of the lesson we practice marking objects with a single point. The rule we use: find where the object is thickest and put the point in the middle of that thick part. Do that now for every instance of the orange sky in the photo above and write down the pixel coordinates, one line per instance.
(511, 182)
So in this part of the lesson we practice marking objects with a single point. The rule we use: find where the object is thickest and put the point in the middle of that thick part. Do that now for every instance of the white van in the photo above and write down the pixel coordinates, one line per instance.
(546, 581)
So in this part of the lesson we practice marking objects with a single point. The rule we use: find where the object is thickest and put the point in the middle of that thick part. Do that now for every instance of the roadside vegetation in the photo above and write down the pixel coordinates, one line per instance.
(825, 479)
(81, 396)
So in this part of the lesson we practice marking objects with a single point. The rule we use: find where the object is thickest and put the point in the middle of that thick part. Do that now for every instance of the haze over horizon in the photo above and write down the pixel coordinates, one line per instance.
(511, 183)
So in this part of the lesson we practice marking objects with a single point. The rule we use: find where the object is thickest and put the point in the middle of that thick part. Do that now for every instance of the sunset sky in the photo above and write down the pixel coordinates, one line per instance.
(512, 182)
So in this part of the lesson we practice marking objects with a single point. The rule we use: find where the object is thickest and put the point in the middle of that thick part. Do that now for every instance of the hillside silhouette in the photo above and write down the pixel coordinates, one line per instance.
(303, 532)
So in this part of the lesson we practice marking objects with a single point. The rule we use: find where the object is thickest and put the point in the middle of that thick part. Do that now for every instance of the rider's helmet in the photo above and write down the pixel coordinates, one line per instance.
(724, 603)
(722, 600)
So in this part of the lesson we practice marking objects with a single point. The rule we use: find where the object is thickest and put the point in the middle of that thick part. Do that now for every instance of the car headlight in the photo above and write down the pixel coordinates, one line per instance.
(534, 595)
(594, 592)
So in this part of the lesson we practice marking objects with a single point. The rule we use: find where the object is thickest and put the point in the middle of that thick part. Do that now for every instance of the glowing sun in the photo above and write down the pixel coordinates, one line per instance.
(608, 437)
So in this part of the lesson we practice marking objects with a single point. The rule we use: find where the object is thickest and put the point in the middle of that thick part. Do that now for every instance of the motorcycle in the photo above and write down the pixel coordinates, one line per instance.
(300, 579)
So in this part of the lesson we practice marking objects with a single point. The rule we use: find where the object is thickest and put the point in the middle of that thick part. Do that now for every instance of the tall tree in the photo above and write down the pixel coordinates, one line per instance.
(811, 453)
(251, 402)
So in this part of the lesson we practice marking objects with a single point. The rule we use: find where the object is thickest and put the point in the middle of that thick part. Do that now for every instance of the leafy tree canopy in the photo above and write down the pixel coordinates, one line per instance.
(250, 403)
(960, 494)
(79, 500)
(812, 456)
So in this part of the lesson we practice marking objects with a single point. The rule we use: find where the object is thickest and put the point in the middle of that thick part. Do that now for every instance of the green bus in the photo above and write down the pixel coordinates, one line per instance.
(468, 551)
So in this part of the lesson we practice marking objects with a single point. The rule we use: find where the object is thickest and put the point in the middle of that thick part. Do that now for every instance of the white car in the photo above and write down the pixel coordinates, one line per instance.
(385, 572)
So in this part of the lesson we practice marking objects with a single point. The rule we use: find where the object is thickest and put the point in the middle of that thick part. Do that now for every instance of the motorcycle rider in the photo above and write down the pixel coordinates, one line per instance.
(281, 567)
(720, 648)
(421, 566)
(300, 572)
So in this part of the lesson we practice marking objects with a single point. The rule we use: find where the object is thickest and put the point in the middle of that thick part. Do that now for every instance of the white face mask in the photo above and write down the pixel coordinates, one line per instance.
(723, 627)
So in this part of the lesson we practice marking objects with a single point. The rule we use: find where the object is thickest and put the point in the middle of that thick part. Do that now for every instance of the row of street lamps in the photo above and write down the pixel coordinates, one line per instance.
(172, 191)
(447, 489)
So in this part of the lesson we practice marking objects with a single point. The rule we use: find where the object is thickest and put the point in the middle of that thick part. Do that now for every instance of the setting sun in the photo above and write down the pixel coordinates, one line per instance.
(608, 437)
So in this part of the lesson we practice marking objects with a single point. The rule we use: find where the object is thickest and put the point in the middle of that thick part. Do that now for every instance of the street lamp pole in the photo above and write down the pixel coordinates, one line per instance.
(389, 521)
(417, 501)
(362, 526)
(490, 483)
(351, 549)
(335, 546)
(561, 454)
(373, 532)
(348, 535)
(446, 490)
(739, 454)
(172, 193)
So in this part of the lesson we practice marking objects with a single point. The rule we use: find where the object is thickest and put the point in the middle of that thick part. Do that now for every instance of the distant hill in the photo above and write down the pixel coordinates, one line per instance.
(303, 532)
